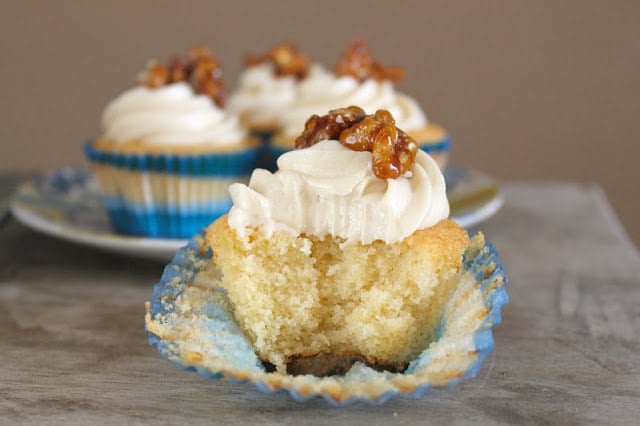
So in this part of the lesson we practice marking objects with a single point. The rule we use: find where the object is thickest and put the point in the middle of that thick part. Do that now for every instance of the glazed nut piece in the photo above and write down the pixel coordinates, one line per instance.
(393, 152)
(156, 75)
(358, 63)
(286, 59)
(329, 126)
(200, 68)
(177, 68)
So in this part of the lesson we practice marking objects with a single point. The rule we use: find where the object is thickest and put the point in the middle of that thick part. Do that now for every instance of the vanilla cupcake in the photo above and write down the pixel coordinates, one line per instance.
(169, 150)
(359, 80)
(343, 255)
(338, 276)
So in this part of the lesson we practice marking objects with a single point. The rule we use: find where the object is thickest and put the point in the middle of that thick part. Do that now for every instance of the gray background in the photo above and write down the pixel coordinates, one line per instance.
(543, 90)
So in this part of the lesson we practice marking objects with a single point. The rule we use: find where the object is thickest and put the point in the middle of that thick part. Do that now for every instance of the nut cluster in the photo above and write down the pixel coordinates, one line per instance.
(358, 62)
(200, 68)
(286, 59)
(393, 152)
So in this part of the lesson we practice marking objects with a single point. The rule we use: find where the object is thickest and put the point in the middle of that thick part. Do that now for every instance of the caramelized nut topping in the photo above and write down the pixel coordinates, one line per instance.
(157, 75)
(177, 69)
(286, 59)
(358, 62)
(328, 126)
(393, 152)
(200, 68)
(199, 52)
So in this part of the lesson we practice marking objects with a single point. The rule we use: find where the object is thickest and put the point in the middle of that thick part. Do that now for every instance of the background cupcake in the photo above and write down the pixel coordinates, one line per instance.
(169, 150)
(359, 80)
(268, 87)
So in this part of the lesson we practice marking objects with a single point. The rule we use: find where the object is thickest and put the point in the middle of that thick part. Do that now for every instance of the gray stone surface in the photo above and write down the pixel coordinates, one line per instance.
(73, 349)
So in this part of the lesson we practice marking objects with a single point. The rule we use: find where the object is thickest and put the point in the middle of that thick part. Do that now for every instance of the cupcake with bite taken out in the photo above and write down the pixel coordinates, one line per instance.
(346, 253)
(339, 275)
(360, 80)
(169, 149)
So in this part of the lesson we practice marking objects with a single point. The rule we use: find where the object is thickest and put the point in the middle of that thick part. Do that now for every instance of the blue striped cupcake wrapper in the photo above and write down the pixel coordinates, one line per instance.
(177, 219)
(162, 221)
(265, 157)
(440, 147)
(218, 164)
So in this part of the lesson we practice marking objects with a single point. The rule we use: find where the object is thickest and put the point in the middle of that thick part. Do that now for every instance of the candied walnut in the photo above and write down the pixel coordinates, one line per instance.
(358, 138)
(206, 69)
(328, 126)
(212, 89)
(178, 69)
(200, 68)
(157, 75)
(286, 59)
(200, 52)
(358, 62)
(393, 152)
(206, 79)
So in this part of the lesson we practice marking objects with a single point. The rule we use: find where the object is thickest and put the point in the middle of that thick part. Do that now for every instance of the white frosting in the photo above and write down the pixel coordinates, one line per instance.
(169, 115)
(328, 189)
(262, 96)
(328, 91)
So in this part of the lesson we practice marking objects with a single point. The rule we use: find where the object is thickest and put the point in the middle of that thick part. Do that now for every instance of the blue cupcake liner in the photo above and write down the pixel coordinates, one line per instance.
(152, 218)
(265, 158)
(208, 340)
(216, 164)
(263, 136)
(162, 221)
(439, 147)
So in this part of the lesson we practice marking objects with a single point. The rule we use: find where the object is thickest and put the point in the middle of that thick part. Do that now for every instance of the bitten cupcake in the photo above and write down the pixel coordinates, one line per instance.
(343, 255)
(339, 275)
(169, 150)
(359, 80)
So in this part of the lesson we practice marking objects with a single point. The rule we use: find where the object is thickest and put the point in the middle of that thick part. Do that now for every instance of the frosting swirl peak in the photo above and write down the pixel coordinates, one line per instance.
(169, 115)
(328, 91)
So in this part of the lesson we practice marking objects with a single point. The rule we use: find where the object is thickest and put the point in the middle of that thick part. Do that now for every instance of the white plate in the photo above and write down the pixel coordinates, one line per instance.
(65, 204)
(473, 196)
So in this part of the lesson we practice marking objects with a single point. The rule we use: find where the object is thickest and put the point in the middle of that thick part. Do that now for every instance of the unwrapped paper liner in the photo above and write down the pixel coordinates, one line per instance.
(191, 322)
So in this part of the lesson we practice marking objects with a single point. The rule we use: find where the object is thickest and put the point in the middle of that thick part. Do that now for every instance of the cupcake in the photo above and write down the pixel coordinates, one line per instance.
(345, 254)
(169, 150)
(267, 88)
(359, 80)
(337, 276)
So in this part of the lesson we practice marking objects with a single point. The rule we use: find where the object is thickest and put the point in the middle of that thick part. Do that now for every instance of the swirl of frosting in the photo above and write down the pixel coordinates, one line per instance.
(169, 115)
(262, 96)
(328, 91)
(328, 189)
